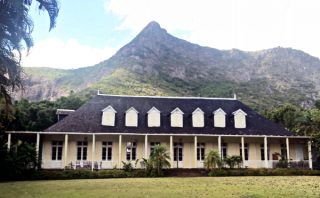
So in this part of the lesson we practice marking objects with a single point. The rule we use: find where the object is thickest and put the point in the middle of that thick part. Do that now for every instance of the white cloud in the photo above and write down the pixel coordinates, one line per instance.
(54, 52)
(225, 24)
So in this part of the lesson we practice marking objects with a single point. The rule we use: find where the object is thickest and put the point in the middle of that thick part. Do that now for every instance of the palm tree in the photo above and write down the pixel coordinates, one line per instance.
(16, 27)
(160, 158)
(212, 159)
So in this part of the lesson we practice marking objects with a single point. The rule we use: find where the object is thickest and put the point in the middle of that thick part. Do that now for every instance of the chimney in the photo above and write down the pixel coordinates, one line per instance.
(62, 113)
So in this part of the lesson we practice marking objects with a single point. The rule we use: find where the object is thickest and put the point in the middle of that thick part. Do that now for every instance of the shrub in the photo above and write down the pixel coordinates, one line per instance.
(159, 159)
(148, 166)
(262, 172)
(282, 163)
(212, 159)
(127, 166)
(233, 161)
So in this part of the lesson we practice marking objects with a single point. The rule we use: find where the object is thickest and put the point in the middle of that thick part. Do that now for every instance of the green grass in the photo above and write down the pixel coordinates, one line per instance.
(294, 186)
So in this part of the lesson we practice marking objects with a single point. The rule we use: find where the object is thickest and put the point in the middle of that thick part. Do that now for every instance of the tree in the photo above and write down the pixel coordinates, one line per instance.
(160, 158)
(317, 104)
(212, 159)
(285, 115)
(16, 162)
(16, 27)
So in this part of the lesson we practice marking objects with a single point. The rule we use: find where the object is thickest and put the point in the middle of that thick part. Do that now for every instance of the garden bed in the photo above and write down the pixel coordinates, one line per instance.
(136, 173)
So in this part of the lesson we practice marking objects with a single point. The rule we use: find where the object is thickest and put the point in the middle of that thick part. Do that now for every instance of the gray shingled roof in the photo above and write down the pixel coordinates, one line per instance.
(88, 117)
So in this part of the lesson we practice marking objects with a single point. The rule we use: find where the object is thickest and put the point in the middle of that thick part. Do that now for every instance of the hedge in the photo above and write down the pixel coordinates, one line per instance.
(115, 173)
(263, 172)
(76, 174)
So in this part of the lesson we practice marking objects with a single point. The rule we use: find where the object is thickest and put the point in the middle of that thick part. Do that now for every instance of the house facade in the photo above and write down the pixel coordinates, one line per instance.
(110, 129)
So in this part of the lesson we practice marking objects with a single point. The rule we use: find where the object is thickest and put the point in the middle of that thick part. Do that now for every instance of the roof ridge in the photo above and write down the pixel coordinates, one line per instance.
(66, 109)
(168, 97)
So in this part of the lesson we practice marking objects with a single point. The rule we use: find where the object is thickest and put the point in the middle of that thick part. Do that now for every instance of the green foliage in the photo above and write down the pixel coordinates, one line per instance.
(138, 173)
(282, 163)
(262, 172)
(286, 115)
(6, 115)
(127, 166)
(160, 158)
(233, 161)
(74, 174)
(20, 159)
(317, 104)
(304, 122)
(35, 116)
(212, 159)
(148, 166)
(16, 27)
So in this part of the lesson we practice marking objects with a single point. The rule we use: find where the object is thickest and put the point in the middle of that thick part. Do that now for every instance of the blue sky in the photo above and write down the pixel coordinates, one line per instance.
(88, 32)
(87, 21)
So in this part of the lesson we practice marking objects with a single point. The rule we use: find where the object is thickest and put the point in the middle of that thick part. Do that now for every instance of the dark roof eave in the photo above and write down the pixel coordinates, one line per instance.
(160, 134)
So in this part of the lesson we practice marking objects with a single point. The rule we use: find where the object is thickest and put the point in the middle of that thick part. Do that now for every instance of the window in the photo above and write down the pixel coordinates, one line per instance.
(200, 151)
(56, 152)
(106, 151)
(246, 151)
(239, 119)
(283, 151)
(224, 150)
(198, 118)
(82, 147)
(176, 118)
(152, 145)
(108, 116)
(177, 151)
(262, 151)
(132, 117)
(153, 117)
(219, 118)
(131, 151)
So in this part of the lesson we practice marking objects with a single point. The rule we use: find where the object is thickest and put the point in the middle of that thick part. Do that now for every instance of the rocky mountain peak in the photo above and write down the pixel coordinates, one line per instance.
(152, 29)
(149, 42)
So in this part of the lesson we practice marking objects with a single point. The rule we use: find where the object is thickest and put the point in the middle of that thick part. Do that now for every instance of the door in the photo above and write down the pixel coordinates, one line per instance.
(178, 155)
(299, 152)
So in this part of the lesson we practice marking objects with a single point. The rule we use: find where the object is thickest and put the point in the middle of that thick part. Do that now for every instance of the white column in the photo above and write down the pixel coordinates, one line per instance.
(146, 147)
(242, 150)
(93, 151)
(66, 150)
(120, 153)
(38, 147)
(288, 149)
(171, 150)
(9, 141)
(219, 146)
(310, 154)
(195, 152)
(266, 163)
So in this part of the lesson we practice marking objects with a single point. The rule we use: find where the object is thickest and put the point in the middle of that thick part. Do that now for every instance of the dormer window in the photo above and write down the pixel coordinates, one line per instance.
(198, 118)
(219, 118)
(239, 119)
(176, 118)
(153, 117)
(108, 116)
(132, 117)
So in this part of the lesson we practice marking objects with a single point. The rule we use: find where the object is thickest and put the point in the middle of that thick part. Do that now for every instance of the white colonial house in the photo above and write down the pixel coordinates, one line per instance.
(110, 129)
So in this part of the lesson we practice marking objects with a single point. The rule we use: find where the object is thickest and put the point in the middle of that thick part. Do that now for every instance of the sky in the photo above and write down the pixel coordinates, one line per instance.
(88, 32)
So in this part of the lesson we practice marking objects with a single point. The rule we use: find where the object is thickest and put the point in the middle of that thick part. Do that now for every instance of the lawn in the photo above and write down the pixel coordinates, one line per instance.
(293, 186)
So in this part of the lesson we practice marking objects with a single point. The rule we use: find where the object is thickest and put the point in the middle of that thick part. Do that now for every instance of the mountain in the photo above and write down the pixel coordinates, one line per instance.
(157, 63)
